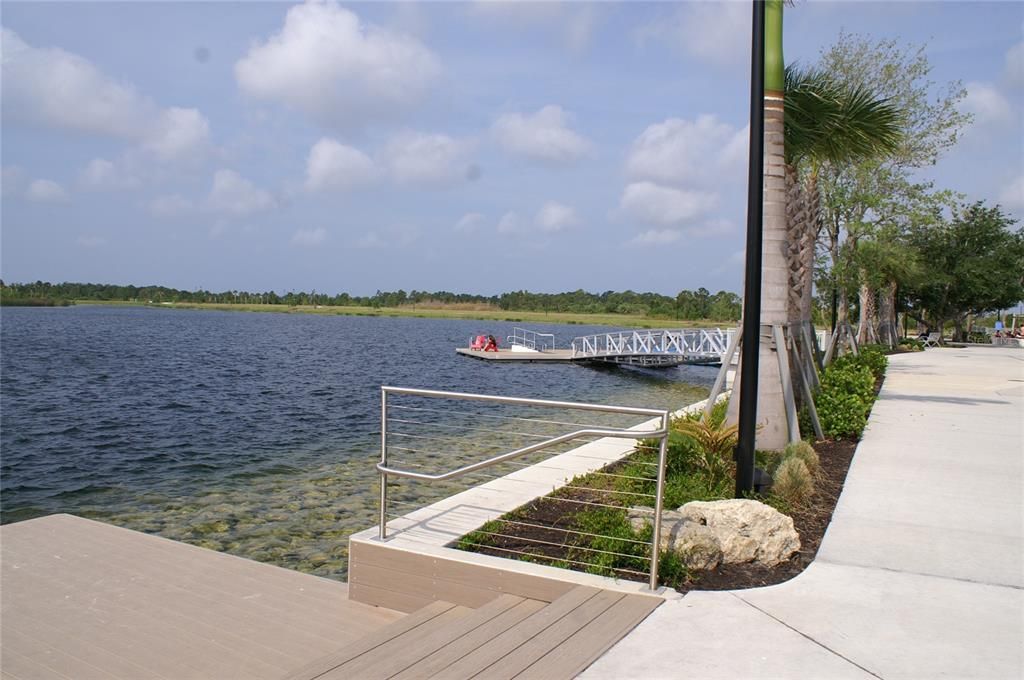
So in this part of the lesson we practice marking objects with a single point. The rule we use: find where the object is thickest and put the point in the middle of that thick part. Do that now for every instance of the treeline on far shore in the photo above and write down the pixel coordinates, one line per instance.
(688, 304)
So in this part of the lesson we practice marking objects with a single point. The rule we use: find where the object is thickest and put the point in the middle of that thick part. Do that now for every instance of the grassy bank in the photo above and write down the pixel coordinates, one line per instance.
(456, 312)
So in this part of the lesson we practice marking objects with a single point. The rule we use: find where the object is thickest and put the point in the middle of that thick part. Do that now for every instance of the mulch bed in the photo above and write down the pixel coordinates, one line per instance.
(560, 508)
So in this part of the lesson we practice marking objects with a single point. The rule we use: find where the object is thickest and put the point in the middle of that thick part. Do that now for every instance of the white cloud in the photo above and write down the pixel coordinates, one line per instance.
(1012, 195)
(544, 136)
(46, 191)
(1014, 72)
(679, 151)
(333, 165)
(469, 223)
(663, 206)
(309, 237)
(427, 159)
(58, 89)
(234, 195)
(103, 174)
(371, 239)
(509, 223)
(325, 62)
(178, 134)
(554, 216)
(170, 206)
(987, 104)
(715, 32)
(656, 237)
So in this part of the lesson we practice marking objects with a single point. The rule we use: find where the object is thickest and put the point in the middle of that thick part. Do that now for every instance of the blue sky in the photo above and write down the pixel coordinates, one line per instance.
(472, 147)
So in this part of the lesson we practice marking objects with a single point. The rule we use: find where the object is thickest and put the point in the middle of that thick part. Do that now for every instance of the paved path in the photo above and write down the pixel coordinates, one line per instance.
(920, 574)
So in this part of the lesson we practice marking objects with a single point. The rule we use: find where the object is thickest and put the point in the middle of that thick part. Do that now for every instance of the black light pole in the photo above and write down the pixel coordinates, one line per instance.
(744, 453)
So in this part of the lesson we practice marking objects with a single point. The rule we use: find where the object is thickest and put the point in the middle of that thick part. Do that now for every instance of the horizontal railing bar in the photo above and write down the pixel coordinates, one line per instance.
(491, 415)
(620, 434)
(569, 531)
(560, 559)
(629, 410)
(563, 545)
(466, 428)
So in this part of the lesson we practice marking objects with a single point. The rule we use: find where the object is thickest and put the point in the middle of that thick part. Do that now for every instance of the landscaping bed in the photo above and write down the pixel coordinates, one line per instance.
(586, 525)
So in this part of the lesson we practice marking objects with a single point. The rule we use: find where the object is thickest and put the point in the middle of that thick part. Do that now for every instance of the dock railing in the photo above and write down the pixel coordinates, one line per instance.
(524, 337)
(427, 437)
(696, 343)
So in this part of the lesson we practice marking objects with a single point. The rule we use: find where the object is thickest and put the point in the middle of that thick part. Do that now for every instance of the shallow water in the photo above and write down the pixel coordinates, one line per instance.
(254, 434)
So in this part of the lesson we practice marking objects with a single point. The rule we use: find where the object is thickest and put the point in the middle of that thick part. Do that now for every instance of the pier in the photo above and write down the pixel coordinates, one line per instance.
(650, 348)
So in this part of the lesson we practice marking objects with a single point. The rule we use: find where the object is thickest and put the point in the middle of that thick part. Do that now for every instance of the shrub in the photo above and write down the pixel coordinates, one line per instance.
(873, 356)
(713, 447)
(841, 414)
(793, 481)
(804, 452)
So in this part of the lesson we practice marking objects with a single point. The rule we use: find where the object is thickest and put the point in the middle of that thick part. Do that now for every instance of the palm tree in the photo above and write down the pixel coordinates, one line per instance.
(825, 123)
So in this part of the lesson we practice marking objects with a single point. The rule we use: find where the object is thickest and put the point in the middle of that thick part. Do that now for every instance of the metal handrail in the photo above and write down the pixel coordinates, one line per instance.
(531, 339)
(660, 433)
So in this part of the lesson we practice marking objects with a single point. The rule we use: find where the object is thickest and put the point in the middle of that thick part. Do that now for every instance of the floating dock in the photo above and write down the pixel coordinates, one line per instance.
(563, 356)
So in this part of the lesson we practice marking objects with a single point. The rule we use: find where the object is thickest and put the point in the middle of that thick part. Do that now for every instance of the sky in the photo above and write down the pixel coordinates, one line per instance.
(471, 147)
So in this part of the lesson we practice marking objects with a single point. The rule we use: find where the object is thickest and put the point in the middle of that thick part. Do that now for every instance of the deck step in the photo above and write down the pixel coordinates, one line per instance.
(509, 637)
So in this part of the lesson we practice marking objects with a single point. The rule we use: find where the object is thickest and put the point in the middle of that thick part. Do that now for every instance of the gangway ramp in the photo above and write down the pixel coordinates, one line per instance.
(652, 348)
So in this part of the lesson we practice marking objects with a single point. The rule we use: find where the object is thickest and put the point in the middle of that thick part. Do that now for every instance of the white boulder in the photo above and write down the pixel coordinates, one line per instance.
(747, 530)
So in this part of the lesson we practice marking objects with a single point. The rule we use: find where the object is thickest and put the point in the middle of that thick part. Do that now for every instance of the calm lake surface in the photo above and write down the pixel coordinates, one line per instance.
(254, 434)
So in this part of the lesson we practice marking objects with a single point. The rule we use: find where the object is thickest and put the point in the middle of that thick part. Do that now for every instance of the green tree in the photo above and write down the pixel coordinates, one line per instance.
(975, 265)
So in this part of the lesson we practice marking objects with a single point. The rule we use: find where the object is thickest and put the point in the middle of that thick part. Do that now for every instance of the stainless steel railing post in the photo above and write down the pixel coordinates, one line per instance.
(659, 496)
(383, 533)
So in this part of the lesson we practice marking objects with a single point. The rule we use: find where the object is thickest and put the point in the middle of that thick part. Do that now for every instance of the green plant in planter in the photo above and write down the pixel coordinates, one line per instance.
(793, 481)
(713, 447)
(804, 452)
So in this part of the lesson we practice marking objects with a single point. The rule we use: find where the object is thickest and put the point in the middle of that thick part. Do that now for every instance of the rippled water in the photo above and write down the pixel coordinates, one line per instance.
(254, 434)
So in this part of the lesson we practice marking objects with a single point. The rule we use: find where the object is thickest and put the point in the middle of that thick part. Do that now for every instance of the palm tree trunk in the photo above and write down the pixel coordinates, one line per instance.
(888, 329)
(809, 244)
(866, 329)
(772, 431)
(796, 227)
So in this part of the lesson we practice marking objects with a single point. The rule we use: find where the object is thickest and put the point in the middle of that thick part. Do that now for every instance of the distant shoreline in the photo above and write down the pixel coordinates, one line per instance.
(571, 318)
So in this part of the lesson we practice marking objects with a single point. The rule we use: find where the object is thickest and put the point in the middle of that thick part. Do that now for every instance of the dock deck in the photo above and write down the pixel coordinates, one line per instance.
(563, 356)
(82, 599)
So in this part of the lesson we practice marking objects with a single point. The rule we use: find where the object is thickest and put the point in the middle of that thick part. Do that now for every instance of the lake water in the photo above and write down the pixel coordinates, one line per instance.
(254, 434)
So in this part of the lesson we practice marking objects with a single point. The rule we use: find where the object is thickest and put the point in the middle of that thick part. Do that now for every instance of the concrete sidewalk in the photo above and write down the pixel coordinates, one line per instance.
(921, 573)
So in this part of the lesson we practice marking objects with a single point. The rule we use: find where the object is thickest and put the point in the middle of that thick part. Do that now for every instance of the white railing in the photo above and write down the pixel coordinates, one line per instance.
(695, 344)
(524, 337)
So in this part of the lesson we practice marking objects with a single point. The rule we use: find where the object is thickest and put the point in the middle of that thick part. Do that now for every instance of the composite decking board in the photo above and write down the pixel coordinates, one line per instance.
(399, 600)
(435, 588)
(430, 665)
(60, 659)
(318, 667)
(506, 642)
(25, 668)
(231, 596)
(574, 655)
(160, 635)
(503, 355)
(521, 658)
(190, 620)
(113, 597)
(364, 666)
(395, 656)
(366, 558)
(107, 544)
(38, 631)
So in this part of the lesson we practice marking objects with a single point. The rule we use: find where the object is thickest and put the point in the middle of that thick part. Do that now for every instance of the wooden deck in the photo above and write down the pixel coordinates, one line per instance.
(509, 637)
(563, 356)
(80, 599)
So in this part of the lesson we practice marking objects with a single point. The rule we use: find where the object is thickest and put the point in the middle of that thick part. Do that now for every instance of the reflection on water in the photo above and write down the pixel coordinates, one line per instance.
(254, 434)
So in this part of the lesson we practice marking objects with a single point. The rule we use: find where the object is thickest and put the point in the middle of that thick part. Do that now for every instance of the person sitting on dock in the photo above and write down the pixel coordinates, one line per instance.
(492, 344)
